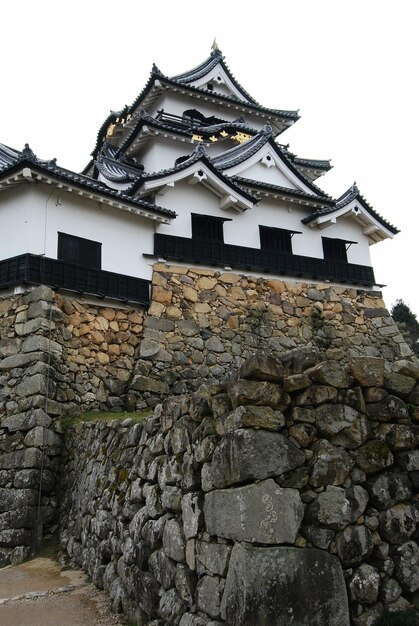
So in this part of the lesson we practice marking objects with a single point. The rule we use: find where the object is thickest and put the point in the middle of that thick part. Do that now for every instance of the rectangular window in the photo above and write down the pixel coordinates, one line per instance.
(79, 251)
(335, 249)
(207, 227)
(276, 239)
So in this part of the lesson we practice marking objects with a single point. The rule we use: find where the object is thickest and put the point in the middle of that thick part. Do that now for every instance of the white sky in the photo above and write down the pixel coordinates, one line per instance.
(351, 67)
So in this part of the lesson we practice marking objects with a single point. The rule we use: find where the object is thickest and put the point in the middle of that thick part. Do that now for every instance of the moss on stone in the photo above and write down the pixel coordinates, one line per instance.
(97, 416)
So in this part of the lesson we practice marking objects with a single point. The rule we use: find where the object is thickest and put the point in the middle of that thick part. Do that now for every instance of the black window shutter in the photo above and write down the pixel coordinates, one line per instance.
(79, 251)
(334, 249)
(207, 227)
(275, 239)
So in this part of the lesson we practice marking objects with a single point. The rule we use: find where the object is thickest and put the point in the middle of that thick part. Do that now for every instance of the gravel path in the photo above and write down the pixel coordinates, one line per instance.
(40, 593)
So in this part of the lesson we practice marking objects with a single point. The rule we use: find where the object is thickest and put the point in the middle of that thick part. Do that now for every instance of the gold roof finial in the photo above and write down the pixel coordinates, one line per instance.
(214, 46)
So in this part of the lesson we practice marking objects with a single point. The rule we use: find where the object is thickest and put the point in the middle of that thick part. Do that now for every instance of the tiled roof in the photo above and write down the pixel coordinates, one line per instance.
(8, 156)
(278, 113)
(27, 157)
(244, 151)
(204, 68)
(317, 164)
(179, 82)
(156, 74)
(116, 170)
(199, 154)
(240, 153)
(262, 186)
(145, 118)
(352, 193)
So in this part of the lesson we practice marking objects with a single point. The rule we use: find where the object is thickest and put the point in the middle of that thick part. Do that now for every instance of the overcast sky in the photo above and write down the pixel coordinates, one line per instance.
(350, 67)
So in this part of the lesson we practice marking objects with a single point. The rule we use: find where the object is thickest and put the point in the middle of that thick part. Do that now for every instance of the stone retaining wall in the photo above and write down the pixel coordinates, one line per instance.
(287, 493)
(30, 437)
(60, 356)
(203, 323)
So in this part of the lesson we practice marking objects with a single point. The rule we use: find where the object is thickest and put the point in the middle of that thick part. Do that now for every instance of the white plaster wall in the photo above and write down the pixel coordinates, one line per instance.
(31, 220)
(243, 230)
(226, 87)
(186, 199)
(162, 152)
(21, 221)
(272, 175)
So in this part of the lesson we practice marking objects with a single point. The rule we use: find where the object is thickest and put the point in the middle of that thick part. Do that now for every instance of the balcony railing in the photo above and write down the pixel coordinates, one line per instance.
(39, 270)
(252, 259)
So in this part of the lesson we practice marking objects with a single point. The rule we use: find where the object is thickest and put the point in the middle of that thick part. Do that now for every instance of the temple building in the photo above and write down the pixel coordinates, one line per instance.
(193, 172)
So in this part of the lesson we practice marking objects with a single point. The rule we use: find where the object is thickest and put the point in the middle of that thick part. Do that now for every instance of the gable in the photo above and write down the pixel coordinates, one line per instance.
(272, 175)
(265, 166)
(217, 81)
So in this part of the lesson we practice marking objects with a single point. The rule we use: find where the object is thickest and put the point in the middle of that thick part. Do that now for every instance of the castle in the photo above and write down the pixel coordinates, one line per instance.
(191, 172)
(195, 270)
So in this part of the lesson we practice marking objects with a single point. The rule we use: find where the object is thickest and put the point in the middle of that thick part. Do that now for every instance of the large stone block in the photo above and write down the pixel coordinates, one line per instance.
(244, 392)
(214, 557)
(298, 360)
(398, 523)
(38, 343)
(329, 465)
(354, 545)
(174, 541)
(283, 586)
(399, 383)
(26, 421)
(253, 454)
(254, 417)
(20, 360)
(336, 507)
(374, 456)
(368, 371)
(11, 499)
(263, 513)
(406, 559)
(388, 488)
(31, 385)
(261, 366)
(390, 409)
(342, 424)
(329, 373)
(21, 459)
(40, 436)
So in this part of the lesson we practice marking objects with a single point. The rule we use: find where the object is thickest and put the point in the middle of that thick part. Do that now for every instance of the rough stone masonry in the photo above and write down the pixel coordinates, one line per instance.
(60, 356)
(286, 495)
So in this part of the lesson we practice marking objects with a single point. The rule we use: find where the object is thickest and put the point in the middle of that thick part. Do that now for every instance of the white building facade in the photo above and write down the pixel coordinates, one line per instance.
(192, 172)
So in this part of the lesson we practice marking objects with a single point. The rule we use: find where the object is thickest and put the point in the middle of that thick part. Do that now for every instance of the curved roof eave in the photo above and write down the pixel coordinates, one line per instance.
(52, 170)
(206, 66)
(198, 155)
(277, 190)
(241, 153)
(345, 199)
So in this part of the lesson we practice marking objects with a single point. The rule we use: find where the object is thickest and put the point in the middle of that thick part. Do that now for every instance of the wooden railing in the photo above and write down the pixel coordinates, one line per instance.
(40, 270)
(210, 252)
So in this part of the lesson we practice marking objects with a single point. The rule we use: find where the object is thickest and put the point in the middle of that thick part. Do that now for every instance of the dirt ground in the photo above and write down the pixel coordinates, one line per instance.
(40, 593)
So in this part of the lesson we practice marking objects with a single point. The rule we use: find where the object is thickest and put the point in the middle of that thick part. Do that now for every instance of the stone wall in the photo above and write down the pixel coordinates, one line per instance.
(60, 356)
(30, 437)
(203, 323)
(285, 495)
